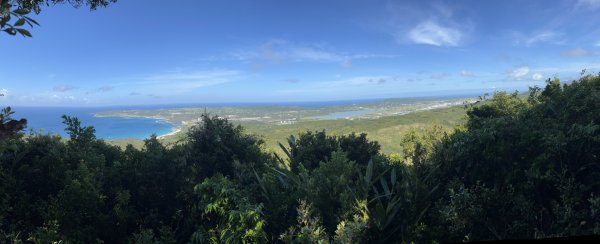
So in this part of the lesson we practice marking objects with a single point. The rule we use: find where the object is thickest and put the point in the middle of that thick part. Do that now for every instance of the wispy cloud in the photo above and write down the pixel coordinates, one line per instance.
(346, 63)
(432, 33)
(518, 73)
(466, 73)
(277, 51)
(199, 78)
(546, 36)
(106, 88)
(185, 81)
(63, 88)
(4, 92)
(358, 81)
(537, 76)
(588, 4)
(573, 68)
(292, 80)
(340, 84)
(49, 98)
(59, 98)
(431, 24)
(438, 76)
(311, 54)
(577, 52)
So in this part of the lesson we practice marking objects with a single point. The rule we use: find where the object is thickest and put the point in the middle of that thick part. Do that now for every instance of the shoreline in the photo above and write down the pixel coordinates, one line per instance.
(175, 130)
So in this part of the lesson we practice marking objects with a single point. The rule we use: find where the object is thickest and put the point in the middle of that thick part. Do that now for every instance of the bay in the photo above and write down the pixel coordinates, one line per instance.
(49, 120)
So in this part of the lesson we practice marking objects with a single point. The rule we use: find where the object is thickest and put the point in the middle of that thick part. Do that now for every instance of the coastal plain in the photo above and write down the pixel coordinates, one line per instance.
(384, 121)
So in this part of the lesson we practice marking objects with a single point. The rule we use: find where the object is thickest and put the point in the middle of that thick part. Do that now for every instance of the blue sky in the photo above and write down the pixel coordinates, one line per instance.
(191, 51)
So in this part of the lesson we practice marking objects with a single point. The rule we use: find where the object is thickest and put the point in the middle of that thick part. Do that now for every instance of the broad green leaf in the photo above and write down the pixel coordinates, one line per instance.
(386, 189)
(287, 152)
(20, 22)
(24, 32)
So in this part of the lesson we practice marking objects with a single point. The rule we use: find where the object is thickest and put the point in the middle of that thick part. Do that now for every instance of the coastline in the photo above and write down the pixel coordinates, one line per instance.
(174, 127)
(175, 130)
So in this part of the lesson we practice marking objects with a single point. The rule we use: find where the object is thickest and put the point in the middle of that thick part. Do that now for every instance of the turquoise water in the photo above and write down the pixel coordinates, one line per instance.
(48, 120)
(345, 114)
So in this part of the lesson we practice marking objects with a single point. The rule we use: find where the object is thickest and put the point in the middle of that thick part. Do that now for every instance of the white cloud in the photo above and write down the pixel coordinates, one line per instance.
(4, 93)
(518, 73)
(431, 33)
(577, 52)
(183, 81)
(300, 54)
(588, 4)
(466, 73)
(335, 86)
(546, 36)
(63, 88)
(279, 51)
(537, 76)
(432, 23)
(358, 81)
(268, 52)
(57, 99)
(573, 68)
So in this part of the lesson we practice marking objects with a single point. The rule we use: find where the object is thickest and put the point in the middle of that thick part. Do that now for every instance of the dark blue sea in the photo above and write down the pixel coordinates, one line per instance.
(48, 120)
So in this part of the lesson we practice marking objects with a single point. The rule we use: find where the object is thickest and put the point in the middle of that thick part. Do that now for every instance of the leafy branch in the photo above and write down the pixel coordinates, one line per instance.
(19, 15)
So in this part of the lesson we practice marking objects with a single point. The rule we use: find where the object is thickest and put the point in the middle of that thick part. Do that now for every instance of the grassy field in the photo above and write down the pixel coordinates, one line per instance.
(386, 130)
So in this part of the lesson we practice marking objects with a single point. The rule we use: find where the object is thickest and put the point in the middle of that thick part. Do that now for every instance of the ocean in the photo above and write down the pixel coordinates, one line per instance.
(49, 120)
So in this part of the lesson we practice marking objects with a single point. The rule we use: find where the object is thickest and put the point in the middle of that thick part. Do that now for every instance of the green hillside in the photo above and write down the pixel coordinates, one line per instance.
(386, 130)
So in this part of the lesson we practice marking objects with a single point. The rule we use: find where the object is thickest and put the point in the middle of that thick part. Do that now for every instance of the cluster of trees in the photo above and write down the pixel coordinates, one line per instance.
(520, 167)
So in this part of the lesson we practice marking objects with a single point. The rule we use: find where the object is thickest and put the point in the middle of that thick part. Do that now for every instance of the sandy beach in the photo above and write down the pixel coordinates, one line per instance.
(173, 132)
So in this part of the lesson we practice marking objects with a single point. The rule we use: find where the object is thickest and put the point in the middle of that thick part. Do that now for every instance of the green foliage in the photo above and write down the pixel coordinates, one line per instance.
(308, 230)
(520, 167)
(328, 191)
(9, 128)
(216, 146)
(226, 214)
(13, 10)
(530, 165)
(311, 148)
(18, 10)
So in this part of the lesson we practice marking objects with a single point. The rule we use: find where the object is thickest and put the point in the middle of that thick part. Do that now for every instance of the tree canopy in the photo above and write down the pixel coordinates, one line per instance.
(15, 14)
(522, 166)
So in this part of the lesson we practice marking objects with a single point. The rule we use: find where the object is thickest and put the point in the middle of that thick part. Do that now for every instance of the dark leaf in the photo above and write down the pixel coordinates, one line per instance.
(10, 31)
(24, 32)
(22, 11)
(20, 22)
(31, 20)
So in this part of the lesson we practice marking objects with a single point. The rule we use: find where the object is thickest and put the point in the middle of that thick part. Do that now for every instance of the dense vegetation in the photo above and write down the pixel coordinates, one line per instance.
(518, 168)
